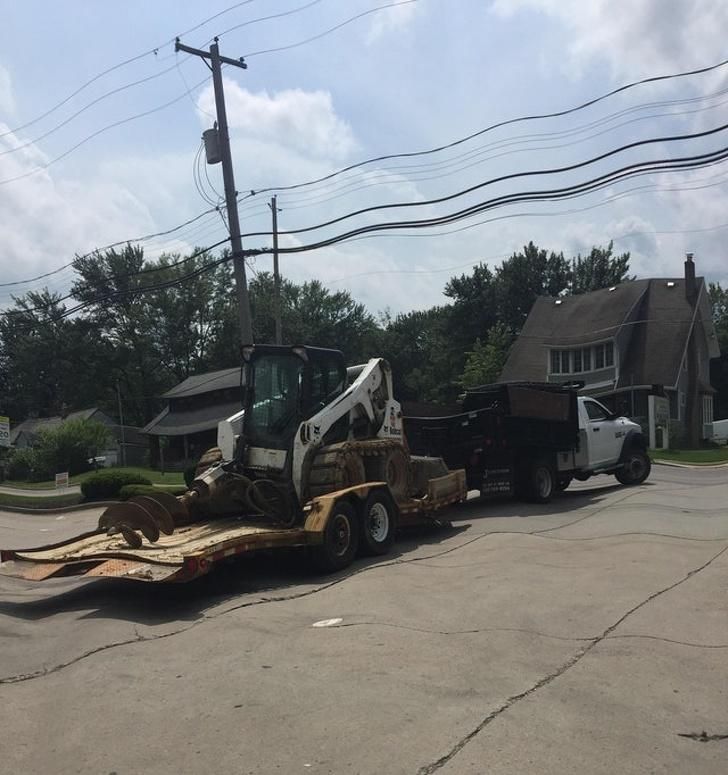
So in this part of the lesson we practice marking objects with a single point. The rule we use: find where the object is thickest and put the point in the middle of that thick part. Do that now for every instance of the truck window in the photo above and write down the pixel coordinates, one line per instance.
(596, 411)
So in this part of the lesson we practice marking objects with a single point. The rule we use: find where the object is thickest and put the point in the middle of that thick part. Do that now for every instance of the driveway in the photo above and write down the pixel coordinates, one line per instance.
(586, 636)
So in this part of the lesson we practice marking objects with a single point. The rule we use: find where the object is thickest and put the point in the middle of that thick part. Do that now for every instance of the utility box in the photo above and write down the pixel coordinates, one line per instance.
(211, 139)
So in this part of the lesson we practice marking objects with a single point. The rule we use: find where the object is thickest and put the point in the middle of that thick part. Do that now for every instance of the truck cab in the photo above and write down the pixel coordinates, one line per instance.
(601, 435)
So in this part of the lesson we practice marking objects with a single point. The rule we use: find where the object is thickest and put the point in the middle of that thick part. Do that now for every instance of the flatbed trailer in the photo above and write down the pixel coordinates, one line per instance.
(193, 550)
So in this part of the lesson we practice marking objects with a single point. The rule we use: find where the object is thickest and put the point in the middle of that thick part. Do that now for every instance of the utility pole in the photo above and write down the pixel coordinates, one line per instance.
(231, 200)
(122, 441)
(276, 274)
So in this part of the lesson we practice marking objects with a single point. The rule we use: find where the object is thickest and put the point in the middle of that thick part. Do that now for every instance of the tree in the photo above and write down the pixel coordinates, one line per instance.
(486, 360)
(48, 360)
(719, 366)
(69, 446)
(600, 269)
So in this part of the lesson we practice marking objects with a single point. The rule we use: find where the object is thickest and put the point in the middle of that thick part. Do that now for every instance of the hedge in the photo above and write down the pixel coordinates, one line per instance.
(107, 484)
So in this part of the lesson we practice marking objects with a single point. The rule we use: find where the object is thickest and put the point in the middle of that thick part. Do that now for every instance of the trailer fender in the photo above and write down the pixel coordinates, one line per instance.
(322, 506)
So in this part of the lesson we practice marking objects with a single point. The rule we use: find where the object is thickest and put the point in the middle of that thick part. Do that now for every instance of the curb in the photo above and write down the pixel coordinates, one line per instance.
(675, 464)
(59, 509)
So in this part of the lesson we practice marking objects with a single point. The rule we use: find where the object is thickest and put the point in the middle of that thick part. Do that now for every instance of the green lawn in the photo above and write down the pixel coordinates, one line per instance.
(694, 456)
(49, 502)
(155, 477)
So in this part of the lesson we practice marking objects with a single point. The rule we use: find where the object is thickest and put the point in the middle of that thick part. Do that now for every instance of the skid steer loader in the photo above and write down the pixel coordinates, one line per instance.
(308, 426)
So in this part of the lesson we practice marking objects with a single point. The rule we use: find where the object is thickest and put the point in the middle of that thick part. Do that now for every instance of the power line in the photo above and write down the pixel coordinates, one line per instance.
(328, 31)
(388, 175)
(503, 178)
(497, 125)
(119, 65)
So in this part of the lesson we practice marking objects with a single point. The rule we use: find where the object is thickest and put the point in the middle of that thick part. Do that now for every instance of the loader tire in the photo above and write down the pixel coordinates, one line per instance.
(391, 467)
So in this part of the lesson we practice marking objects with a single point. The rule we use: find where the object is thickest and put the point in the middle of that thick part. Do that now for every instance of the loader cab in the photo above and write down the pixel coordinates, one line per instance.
(285, 386)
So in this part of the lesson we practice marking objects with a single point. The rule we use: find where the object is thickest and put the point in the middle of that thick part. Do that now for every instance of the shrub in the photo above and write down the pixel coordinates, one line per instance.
(130, 490)
(21, 464)
(108, 484)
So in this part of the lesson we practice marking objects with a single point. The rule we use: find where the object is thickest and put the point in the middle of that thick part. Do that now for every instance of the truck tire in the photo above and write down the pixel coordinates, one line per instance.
(637, 467)
(562, 482)
(378, 523)
(541, 481)
(340, 539)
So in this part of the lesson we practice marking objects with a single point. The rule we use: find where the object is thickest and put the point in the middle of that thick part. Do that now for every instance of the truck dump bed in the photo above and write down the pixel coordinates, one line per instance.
(493, 424)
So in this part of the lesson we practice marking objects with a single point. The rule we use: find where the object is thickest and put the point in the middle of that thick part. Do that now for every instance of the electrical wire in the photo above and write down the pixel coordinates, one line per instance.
(328, 31)
(119, 65)
(452, 166)
(280, 15)
(498, 125)
(592, 184)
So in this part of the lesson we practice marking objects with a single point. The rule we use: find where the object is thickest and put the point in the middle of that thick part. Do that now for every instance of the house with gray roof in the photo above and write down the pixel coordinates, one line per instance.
(643, 348)
(126, 443)
(187, 426)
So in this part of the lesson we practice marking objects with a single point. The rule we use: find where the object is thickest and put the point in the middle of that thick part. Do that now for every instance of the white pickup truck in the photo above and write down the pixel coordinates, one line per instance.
(529, 439)
(608, 444)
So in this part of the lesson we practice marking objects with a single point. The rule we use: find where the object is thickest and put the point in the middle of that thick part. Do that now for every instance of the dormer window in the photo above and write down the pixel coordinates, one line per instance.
(578, 360)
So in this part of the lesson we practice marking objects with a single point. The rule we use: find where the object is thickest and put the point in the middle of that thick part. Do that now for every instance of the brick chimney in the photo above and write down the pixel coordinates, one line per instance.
(690, 285)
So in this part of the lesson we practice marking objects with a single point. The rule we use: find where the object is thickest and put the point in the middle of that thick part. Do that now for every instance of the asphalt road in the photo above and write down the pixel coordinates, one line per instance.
(586, 636)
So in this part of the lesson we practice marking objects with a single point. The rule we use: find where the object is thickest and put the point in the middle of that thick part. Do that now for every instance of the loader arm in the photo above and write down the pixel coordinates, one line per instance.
(371, 410)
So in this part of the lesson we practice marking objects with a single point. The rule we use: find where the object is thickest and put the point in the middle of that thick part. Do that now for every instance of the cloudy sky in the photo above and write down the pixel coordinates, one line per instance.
(100, 126)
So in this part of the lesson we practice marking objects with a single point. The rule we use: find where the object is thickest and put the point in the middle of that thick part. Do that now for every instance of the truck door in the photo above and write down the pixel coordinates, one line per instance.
(600, 434)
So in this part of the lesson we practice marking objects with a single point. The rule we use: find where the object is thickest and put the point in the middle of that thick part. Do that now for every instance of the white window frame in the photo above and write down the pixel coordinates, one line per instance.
(591, 349)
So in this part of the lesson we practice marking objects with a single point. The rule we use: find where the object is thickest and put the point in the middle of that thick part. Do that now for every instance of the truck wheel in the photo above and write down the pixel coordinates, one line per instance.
(637, 467)
(378, 524)
(340, 539)
(542, 482)
(562, 483)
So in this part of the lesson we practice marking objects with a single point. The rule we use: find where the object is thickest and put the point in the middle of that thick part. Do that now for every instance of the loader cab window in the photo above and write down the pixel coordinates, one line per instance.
(327, 380)
(275, 400)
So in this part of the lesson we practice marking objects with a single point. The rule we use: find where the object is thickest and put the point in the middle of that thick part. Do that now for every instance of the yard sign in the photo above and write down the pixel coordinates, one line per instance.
(4, 431)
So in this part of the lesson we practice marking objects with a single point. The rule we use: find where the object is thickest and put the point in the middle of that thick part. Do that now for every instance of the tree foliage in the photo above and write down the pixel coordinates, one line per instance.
(486, 360)
(145, 325)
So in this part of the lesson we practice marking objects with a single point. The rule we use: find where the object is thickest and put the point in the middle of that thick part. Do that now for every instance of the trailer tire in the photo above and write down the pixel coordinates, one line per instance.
(340, 539)
(541, 481)
(637, 467)
(378, 523)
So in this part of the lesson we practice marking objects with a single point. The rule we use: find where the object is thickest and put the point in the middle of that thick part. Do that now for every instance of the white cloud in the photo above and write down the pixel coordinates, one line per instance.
(292, 118)
(46, 218)
(642, 37)
(7, 100)
(394, 19)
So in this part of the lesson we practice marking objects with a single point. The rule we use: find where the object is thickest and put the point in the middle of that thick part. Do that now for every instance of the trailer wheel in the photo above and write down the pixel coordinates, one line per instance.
(340, 539)
(541, 481)
(378, 523)
(637, 467)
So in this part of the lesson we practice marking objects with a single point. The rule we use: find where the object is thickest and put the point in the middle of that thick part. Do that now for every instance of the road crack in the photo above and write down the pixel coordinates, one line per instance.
(455, 750)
